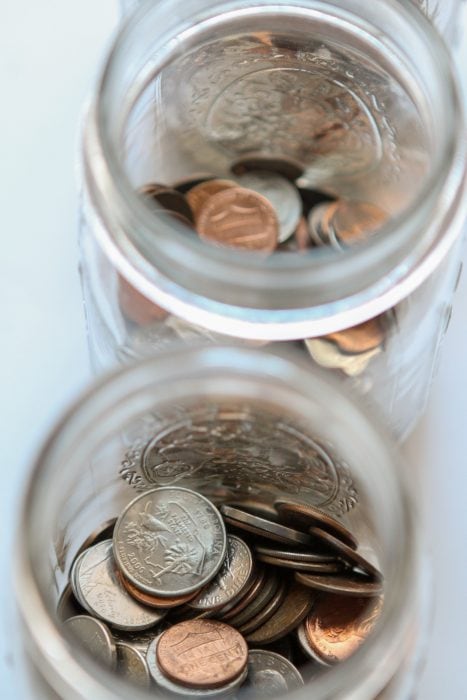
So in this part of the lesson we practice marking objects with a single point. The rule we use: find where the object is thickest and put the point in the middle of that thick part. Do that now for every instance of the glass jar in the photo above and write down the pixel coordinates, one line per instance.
(230, 422)
(362, 103)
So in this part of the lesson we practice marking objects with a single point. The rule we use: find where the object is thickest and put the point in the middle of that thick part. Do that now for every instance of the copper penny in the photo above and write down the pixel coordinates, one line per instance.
(264, 596)
(246, 599)
(155, 601)
(355, 221)
(267, 611)
(301, 237)
(338, 625)
(351, 584)
(239, 218)
(202, 653)
(362, 338)
(304, 515)
(294, 608)
(136, 307)
(187, 183)
(198, 195)
(348, 554)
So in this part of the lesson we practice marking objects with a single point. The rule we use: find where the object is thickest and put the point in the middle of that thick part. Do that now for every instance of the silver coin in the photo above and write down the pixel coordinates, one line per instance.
(283, 196)
(132, 665)
(94, 636)
(295, 555)
(264, 528)
(266, 612)
(232, 579)
(163, 682)
(74, 578)
(271, 674)
(306, 647)
(170, 541)
(104, 596)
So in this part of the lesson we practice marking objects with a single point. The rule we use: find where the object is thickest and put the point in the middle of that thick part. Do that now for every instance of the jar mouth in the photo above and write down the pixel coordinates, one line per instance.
(174, 377)
(288, 295)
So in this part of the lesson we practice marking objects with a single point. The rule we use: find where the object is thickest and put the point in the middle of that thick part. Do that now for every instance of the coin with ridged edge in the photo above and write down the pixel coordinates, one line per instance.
(170, 541)
(271, 674)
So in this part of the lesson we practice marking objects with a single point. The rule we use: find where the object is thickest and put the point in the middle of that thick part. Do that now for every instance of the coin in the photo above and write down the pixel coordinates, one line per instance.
(170, 541)
(351, 584)
(132, 666)
(301, 234)
(202, 654)
(201, 193)
(74, 578)
(287, 167)
(349, 555)
(281, 193)
(326, 354)
(271, 674)
(137, 308)
(265, 528)
(266, 612)
(315, 567)
(359, 339)
(169, 199)
(103, 595)
(232, 579)
(68, 606)
(247, 598)
(153, 601)
(239, 218)
(264, 596)
(139, 640)
(294, 608)
(355, 221)
(296, 555)
(256, 507)
(319, 219)
(338, 625)
(94, 636)
(304, 515)
(305, 646)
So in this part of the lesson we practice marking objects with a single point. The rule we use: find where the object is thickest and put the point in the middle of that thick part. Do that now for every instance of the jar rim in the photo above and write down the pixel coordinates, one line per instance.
(231, 290)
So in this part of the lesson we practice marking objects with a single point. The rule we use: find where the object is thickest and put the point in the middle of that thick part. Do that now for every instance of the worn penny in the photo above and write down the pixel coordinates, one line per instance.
(267, 611)
(249, 596)
(361, 338)
(266, 592)
(198, 195)
(293, 609)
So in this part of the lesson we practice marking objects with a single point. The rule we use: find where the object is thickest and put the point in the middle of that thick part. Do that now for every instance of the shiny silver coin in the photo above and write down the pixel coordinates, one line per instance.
(350, 584)
(263, 597)
(305, 645)
(94, 636)
(104, 596)
(232, 580)
(315, 567)
(170, 541)
(270, 674)
(281, 193)
(262, 527)
(131, 665)
(295, 555)
(163, 682)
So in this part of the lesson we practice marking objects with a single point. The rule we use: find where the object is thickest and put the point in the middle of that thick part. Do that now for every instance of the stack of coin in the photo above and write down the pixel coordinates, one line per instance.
(203, 601)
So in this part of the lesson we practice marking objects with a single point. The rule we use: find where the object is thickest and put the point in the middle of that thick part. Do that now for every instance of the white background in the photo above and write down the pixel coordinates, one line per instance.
(49, 54)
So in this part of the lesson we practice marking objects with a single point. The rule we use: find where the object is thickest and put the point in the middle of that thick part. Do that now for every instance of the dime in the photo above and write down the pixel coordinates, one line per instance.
(202, 654)
(305, 646)
(287, 167)
(132, 666)
(200, 194)
(94, 636)
(265, 528)
(169, 199)
(349, 555)
(103, 595)
(315, 567)
(271, 674)
(239, 218)
(296, 555)
(304, 515)
(137, 308)
(359, 339)
(293, 609)
(266, 612)
(351, 584)
(264, 596)
(170, 541)
(246, 599)
(354, 221)
(232, 580)
(338, 625)
(281, 193)
(153, 601)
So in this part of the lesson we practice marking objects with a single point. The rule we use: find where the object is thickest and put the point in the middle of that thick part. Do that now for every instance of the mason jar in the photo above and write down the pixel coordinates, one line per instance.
(232, 423)
(358, 104)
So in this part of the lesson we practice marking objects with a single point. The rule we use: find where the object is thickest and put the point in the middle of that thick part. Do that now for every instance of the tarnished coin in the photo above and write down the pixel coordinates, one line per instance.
(103, 595)
(294, 608)
(359, 339)
(326, 354)
(153, 601)
(266, 611)
(355, 221)
(303, 515)
(351, 584)
(281, 193)
(248, 597)
(305, 646)
(271, 674)
(233, 578)
(338, 625)
(296, 555)
(202, 654)
(170, 541)
(94, 636)
(162, 681)
(132, 665)
(348, 554)
(239, 218)
(199, 194)
(169, 199)
(332, 567)
(265, 528)
(287, 167)
(263, 597)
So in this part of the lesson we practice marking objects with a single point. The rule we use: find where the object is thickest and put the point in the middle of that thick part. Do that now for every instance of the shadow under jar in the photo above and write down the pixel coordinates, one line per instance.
(234, 424)
(358, 108)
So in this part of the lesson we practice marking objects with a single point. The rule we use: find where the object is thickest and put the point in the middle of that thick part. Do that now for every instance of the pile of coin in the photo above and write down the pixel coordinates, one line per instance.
(202, 601)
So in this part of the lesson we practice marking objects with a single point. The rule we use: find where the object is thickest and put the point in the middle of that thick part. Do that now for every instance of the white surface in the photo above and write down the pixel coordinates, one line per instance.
(49, 53)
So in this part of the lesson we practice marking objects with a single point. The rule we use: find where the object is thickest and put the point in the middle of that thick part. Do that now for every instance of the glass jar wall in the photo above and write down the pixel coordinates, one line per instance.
(234, 424)
(329, 95)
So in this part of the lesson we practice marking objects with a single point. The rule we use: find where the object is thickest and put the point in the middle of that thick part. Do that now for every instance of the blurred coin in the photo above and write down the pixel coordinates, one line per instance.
(338, 625)
(136, 307)
(169, 199)
(271, 674)
(239, 218)
(349, 555)
(265, 528)
(281, 194)
(314, 567)
(266, 612)
(301, 236)
(68, 606)
(318, 223)
(248, 597)
(326, 354)
(170, 541)
(305, 646)
(303, 515)
(74, 578)
(351, 584)
(153, 601)
(103, 595)
(199, 194)
(94, 636)
(191, 181)
(294, 608)
(202, 654)
(355, 221)
(312, 198)
(359, 339)
(132, 665)
(264, 596)
(296, 555)
(286, 167)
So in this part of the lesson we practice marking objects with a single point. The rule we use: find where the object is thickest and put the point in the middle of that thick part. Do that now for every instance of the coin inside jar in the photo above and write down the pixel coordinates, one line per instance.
(132, 666)
(198, 195)
(271, 674)
(94, 636)
(294, 608)
(265, 528)
(303, 515)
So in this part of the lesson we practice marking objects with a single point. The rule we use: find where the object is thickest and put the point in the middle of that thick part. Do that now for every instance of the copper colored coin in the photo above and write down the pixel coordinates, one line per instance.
(294, 608)
(169, 199)
(246, 599)
(264, 596)
(366, 336)
(198, 195)
(304, 516)
(315, 567)
(351, 584)
(239, 218)
(256, 507)
(136, 307)
(267, 611)
(202, 653)
(355, 221)
(338, 625)
(349, 555)
(155, 601)
(301, 236)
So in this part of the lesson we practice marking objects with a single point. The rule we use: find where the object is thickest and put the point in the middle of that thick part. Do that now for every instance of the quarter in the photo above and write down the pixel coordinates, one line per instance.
(94, 636)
